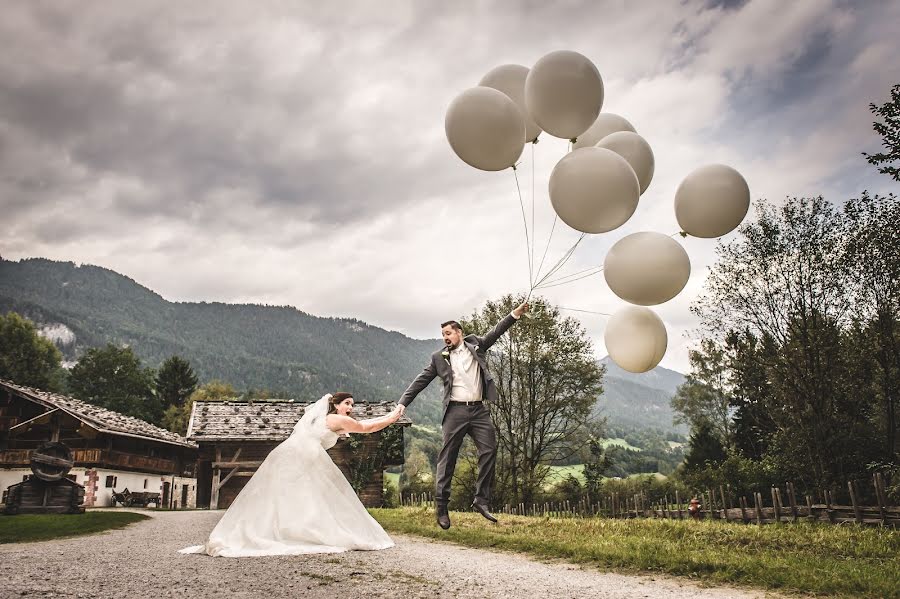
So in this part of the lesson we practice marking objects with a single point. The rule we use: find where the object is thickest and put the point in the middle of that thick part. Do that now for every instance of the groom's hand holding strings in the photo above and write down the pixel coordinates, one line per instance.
(520, 310)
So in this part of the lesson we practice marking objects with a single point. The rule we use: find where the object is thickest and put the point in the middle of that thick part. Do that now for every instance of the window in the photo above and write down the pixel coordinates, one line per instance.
(111, 481)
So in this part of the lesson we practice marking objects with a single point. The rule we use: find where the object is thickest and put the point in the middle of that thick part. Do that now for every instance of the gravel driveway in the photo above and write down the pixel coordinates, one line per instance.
(142, 561)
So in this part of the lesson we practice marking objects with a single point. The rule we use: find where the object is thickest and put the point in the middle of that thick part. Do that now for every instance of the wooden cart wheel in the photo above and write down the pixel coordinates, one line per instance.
(51, 462)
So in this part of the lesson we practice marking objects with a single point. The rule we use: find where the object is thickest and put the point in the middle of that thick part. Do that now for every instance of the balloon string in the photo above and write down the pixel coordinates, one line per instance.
(585, 311)
(562, 261)
(571, 278)
(525, 224)
(557, 284)
(533, 202)
(552, 229)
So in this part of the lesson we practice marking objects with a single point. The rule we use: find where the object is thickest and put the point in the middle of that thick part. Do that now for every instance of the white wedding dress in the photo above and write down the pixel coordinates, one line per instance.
(297, 502)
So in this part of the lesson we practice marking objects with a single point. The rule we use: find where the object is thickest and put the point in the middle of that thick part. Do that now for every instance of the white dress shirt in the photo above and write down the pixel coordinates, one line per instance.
(467, 384)
(466, 375)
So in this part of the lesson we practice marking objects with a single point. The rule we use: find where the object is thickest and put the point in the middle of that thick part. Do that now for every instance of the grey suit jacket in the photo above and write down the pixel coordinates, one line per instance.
(440, 366)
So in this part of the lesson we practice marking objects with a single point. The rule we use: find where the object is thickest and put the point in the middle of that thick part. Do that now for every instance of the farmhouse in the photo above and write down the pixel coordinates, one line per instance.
(234, 437)
(111, 451)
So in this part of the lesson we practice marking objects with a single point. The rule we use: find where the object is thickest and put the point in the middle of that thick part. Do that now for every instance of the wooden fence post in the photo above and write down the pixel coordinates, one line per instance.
(879, 495)
(775, 505)
(856, 511)
(792, 499)
(757, 500)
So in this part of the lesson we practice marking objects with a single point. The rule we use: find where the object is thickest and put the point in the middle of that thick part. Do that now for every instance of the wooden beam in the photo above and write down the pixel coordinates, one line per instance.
(247, 464)
(214, 492)
(39, 419)
(214, 495)
(227, 478)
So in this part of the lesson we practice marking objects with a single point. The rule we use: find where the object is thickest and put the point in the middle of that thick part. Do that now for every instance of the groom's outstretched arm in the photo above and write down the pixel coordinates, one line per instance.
(502, 326)
(419, 384)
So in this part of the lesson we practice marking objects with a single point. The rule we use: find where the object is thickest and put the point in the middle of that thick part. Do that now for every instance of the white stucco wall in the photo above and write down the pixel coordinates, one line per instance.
(102, 495)
(11, 476)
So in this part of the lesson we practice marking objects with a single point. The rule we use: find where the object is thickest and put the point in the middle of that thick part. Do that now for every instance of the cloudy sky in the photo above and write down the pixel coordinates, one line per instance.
(292, 153)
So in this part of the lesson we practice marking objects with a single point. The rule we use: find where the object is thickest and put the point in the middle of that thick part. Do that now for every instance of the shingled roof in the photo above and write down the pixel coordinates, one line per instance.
(100, 419)
(263, 419)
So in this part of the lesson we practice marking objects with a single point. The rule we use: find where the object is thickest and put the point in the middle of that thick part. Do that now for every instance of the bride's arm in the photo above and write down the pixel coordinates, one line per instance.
(345, 424)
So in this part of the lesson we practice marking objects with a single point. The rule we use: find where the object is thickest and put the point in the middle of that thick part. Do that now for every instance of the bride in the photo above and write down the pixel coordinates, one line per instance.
(298, 501)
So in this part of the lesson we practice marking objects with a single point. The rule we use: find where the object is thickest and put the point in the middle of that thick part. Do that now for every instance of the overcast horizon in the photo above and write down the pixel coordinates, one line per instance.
(254, 154)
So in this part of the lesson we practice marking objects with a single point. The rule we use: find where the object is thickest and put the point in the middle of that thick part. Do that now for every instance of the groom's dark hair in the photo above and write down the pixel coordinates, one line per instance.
(452, 323)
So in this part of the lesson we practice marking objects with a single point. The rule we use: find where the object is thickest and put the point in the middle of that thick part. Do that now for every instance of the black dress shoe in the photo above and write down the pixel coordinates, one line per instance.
(483, 511)
(443, 518)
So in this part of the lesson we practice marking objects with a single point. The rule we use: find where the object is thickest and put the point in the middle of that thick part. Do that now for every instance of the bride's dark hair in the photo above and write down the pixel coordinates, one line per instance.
(336, 399)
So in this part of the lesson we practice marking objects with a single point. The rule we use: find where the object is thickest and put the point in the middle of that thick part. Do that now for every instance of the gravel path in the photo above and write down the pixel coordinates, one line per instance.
(142, 560)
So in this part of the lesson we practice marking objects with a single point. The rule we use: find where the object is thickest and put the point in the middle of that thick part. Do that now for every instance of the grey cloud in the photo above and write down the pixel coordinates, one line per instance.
(234, 136)
(183, 105)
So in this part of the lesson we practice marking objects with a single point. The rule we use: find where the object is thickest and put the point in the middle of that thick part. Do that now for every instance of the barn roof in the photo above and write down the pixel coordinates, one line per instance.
(262, 419)
(100, 419)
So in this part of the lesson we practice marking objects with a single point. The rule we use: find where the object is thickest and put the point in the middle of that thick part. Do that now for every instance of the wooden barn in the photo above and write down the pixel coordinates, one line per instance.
(110, 451)
(234, 438)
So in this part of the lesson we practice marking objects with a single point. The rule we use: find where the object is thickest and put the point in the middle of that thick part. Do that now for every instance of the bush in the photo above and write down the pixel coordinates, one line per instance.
(390, 495)
(741, 475)
(655, 487)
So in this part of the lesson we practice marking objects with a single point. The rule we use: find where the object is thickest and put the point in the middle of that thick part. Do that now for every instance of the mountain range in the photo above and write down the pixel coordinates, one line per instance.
(275, 348)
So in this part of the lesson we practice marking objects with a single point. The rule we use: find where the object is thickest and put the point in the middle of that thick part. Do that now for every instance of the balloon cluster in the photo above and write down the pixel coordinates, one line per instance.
(596, 187)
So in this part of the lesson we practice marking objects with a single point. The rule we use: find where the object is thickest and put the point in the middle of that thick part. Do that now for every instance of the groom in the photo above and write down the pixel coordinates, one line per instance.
(468, 386)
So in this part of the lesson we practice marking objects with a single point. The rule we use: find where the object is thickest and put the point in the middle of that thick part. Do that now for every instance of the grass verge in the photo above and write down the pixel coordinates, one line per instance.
(843, 561)
(25, 528)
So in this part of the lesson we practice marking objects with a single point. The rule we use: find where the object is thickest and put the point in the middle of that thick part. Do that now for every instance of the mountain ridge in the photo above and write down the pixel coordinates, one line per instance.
(255, 346)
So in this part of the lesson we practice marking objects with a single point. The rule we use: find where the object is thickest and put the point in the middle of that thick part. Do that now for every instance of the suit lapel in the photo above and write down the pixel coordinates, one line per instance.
(474, 349)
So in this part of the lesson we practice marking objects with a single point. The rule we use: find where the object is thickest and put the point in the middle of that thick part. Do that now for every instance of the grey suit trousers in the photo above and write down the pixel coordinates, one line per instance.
(461, 420)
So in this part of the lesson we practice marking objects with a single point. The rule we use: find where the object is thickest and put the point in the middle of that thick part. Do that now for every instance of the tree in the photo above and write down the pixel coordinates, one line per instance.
(784, 281)
(705, 396)
(112, 377)
(889, 130)
(27, 358)
(595, 468)
(705, 448)
(175, 381)
(416, 476)
(176, 418)
(873, 238)
(751, 395)
(548, 380)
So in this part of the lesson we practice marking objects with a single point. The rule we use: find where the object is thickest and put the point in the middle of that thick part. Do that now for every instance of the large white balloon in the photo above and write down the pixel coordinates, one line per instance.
(712, 201)
(510, 79)
(564, 93)
(636, 339)
(646, 268)
(485, 129)
(594, 190)
(635, 149)
(606, 124)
